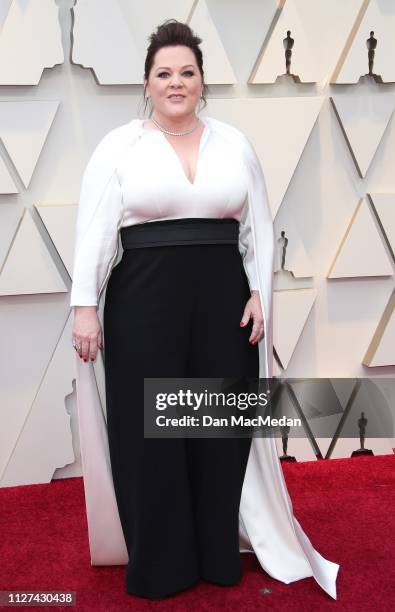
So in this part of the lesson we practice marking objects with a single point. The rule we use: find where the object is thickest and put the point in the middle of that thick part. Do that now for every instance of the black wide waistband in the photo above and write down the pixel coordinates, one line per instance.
(180, 231)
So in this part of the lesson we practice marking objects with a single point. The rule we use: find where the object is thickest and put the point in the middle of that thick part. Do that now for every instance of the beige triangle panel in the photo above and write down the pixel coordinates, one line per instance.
(5, 6)
(60, 222)
(363, 120)
(29, 332)
(218, 69)
(10, 218)
(361, 251)
(24, 127)
(7, 185)
(272, 63)
(111, 38)
(103, 41)
(291, 310)
(30, 40)
(384, 205)
(29, 267)
(377, 16)
(276, 368)
(381, 351)
(47, 424)
(278, 128)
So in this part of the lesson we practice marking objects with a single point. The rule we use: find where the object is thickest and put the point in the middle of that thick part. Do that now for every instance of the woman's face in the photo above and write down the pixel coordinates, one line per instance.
(174, 71)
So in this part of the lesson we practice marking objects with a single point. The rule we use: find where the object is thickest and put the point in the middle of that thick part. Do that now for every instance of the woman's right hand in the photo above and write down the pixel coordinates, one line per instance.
(86, 332)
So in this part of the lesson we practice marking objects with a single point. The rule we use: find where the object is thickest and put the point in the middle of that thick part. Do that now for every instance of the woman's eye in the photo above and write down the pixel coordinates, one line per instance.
(188, 72)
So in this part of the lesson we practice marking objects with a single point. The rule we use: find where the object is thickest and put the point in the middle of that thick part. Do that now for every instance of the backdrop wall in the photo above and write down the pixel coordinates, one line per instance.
(325, 136)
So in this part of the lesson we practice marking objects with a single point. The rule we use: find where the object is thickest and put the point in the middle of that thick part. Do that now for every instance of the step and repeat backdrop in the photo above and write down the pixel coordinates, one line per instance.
(312, 84)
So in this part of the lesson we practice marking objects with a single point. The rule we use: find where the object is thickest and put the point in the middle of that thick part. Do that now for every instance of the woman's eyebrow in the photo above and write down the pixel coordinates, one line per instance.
(167, 67)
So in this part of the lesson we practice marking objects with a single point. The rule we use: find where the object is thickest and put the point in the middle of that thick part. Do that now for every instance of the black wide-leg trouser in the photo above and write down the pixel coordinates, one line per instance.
(175, 311)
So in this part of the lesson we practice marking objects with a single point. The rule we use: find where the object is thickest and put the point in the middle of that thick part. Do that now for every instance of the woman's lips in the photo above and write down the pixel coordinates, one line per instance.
(176, 98)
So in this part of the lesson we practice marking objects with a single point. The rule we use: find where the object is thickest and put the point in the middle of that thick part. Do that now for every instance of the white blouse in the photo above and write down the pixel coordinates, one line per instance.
(150, 184)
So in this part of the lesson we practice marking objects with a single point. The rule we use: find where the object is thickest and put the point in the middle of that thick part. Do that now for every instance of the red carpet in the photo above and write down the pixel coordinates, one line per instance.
(346, 507)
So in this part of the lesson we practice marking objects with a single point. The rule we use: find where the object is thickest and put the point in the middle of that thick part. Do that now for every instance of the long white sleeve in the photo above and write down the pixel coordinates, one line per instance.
(98, 247)
(246, 247)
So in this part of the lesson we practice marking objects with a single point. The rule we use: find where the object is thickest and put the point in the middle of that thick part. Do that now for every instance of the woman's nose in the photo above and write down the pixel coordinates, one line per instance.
(175, 79)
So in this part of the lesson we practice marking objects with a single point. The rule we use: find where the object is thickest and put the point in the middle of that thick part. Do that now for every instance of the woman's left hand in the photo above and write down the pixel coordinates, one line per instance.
(253, 309)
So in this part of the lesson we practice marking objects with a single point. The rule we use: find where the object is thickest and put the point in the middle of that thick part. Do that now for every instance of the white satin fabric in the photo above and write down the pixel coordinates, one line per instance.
(267, 524)
(150, 184)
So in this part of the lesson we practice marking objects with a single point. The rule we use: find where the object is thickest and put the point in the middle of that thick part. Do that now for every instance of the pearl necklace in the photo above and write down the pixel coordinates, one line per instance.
(175, 133)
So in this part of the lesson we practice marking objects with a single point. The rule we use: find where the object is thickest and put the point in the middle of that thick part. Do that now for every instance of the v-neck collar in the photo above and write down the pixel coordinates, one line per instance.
(203, 138)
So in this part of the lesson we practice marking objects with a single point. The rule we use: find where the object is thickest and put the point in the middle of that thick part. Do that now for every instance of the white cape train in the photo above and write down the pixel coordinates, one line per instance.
(267, 525)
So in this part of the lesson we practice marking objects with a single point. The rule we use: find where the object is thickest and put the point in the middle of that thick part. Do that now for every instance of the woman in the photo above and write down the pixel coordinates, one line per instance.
(191, 297)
